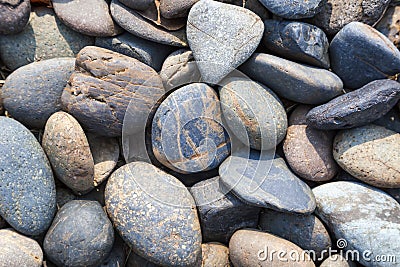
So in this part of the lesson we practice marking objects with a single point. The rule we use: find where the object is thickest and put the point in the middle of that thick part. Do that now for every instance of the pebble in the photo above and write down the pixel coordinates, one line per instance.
(147, 52)
(18, 250)
(293, 81)
(222, 37)
(69, 153)
(137, 4)
(370, 153)
(365, 217)
(221, 213)
(265, 181)
(176, 8)
(337, 260)
(356, 108)
(81, 235)
(187, 133)
(390, 121)
(27, 189)
(32, 93)
(134, 23)
(178, 69)
(293, 10)
(378, 58)
(215, 255)
(308, 232)
(308, 151)
(90, 17)
(297, 41)
(14, 15)
(140, 196)
(44, 37)
(335, 14)
(255, 115)
(102, 86)
(250, 247)
(389, 25)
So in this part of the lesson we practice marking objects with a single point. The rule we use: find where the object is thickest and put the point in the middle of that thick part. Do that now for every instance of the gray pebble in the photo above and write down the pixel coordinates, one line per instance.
(298, 9)
(14, 15)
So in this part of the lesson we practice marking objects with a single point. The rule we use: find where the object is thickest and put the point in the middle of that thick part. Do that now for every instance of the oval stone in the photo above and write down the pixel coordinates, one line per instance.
(187, 131)
(360, 54)
(294, 81)
(308, 151)
(253, 112)
(27, 189)
(370, 153)
(293, 10)
(18, 250)
(32, 93)
(14, 15)
(215, 255)
(140, 196)
(366, 218)
(389, 25)
(81, 235)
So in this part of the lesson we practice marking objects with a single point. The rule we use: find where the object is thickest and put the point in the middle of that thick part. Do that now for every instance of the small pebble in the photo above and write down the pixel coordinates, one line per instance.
(288, 9)
(14, 15)
(215, 255)
(389, 25)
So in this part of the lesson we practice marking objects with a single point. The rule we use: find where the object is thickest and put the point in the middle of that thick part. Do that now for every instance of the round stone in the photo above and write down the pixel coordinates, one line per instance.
(32, 93)
(83, 234)
(288, 9)
(389, 25)
(27, 189)
(215, 254)
(14, 15)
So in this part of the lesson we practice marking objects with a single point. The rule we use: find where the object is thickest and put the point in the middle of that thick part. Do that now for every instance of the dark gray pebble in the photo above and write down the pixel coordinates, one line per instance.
(137, 4)
(293, 10)
(14, 15)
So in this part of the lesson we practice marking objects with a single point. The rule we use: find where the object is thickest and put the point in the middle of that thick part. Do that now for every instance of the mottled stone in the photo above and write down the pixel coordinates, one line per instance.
(370, 153)
(90, 17)
(221, 213)
(44, 37)
(134, 23)
(176, 8)
(140, 196)
(389, 25)
(69, 153)
(32, 93)
(297, 41)
(18, 250)
(255, 115)
(335, 14)
(102, 86)
(14, 15)
(250, 247)
(117, 257)
(308, 151)
(215, 255)
(264, 180)
(356, 108)
(293, 10)
(178, 69)
(293, 81)
(137, 4)
(27, 189)
(81, 235)
(367, 218)
(187, 132)
(360, 54)
(308, 232)
(150, 53)
(391, 120)
(222, 37)
(337, 260)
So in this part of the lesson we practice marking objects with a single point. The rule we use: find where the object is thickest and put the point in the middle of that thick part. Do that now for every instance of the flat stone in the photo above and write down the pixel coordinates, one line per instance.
(137, 4)
(44, 37)
(176, 8)
(264, 180)
(308, 151)
(27, 189)
(370, 153)
(337, 260)
(308, 232)
(178, 69)
(297, 41)
(365, 217)
(222, 37)
(215, 254)
(293, 81)
(389, 25)
(14, 15)
(255, 115)
(293, 10)
(81, 235)
(134, 23)
(150, 53)
(103, 84)
(221, 213)
(18, 250)
(356, 108)
(140, 196)
(187, 133)
(32, 93)
(90, 17)
(360, 54)
(250, 247)
(335, 14)
(69, 153)
(390, 121)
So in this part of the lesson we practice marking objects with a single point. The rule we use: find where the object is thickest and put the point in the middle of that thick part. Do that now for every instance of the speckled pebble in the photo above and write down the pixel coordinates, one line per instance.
(14, 15)
(288, 9)
(215, 255)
